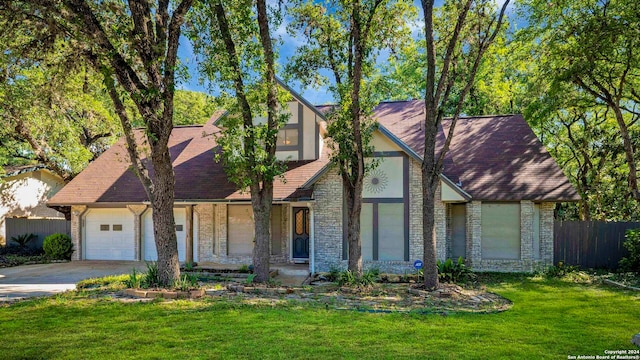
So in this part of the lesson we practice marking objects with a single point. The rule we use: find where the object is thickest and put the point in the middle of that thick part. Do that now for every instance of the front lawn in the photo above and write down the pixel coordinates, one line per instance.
(549, 319)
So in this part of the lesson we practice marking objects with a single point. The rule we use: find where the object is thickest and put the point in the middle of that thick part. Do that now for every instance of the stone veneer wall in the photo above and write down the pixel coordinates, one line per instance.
(77, 211)
(206, 229)
(329, 224)
(528, 261)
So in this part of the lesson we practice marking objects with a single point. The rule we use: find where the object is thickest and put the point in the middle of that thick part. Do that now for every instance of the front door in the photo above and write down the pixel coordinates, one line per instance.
(301, 232)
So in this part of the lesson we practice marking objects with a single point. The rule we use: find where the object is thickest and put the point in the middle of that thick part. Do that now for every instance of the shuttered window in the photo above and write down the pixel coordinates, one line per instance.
(501, 231)
(241, 230)
(240, 222)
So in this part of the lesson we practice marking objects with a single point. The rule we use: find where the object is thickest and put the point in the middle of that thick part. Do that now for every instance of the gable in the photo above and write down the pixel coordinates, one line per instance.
(381, 142)
(494, 158)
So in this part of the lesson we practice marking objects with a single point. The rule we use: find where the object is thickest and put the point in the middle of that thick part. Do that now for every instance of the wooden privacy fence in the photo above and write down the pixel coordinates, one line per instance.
(40, 227)
(590, 244)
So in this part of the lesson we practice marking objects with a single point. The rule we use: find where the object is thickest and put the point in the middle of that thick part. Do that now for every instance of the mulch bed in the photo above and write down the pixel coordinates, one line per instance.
(380, 297)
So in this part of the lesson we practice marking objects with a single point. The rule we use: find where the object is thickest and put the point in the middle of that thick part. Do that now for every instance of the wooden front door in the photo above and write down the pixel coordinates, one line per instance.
(301, 232)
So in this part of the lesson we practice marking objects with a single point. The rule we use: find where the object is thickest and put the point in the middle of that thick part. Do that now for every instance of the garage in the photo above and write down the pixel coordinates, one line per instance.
(109, 235)
(149, 243)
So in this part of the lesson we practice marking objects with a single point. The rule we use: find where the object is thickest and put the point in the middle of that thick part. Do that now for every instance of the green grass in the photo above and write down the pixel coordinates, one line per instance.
(549, 319)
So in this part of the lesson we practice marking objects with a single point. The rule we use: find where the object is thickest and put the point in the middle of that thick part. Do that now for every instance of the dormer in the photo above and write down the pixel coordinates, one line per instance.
(300, 138)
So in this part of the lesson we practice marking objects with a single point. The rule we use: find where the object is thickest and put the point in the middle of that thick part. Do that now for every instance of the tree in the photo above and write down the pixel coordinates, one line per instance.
(52, 109)
(462, 50)
(133, 45)
(594, 46)
(346, 38)
(236, 41)
(192, 107)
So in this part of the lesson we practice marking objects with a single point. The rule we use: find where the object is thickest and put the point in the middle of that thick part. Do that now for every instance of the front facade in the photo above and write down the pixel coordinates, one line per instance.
(494, 207)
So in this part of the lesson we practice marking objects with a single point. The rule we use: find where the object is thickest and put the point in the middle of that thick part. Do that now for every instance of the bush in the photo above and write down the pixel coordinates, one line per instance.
(452, 272)
(349, 278)
(560, 270)
(152, 277)
(23, 240)
(631, 263)
(58, 247)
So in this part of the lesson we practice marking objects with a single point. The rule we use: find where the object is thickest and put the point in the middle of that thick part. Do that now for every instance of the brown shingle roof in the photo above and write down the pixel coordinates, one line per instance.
(495, 158)
(198, 177)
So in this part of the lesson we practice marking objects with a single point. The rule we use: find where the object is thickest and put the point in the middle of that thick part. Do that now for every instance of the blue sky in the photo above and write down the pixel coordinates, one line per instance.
(288, 48)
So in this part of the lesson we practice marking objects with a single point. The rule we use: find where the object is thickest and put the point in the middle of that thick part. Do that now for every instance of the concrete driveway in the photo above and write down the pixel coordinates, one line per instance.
(48, 279)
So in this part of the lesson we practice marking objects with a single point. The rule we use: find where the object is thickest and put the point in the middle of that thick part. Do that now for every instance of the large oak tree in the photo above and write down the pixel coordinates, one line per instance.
(133, 45)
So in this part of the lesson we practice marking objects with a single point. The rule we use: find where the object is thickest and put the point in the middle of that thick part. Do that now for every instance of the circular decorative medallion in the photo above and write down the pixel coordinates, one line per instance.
(376, 181)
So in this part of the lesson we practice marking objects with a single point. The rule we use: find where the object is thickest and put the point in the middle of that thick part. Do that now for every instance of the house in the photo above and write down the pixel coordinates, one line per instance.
(24, 192)
(494, 206)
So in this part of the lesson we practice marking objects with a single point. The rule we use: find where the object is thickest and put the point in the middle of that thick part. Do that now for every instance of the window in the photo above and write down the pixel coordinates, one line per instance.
(501, 231)
(287, 137)
(382, 231)
(104, 227)
(117, 227)
(390, 231)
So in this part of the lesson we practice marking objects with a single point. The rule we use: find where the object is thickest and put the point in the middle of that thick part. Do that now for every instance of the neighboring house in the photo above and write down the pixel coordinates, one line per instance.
(24, 192)
(494, 205)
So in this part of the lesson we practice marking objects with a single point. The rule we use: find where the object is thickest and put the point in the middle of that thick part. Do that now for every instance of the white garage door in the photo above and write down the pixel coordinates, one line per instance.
(150, 252)
(109, 235)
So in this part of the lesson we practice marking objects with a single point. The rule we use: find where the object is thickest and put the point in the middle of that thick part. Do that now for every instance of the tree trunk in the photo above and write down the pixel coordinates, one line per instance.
(353, 183)
(163, 220)
(262, 198)
(430, 180)
(261, 201)
(354, 206)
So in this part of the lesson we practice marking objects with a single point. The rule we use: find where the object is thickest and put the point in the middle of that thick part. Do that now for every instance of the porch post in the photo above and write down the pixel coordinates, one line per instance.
(137, 211)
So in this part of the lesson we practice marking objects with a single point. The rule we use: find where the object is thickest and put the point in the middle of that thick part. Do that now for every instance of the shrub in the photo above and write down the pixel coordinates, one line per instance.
(351, 279)
(631, 263)
(20, 251)
(58, 247)
(186, 282)
(452, 272)
(23, 240)
(134, 280)
(560, 270)
(152, 277)
(334, 273)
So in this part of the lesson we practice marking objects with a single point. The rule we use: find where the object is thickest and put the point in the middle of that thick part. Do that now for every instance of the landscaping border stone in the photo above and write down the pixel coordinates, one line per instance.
(165, 294)
(621, 285)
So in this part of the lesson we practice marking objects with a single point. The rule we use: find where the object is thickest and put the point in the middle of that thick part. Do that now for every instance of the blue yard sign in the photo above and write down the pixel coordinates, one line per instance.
(418, 264)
